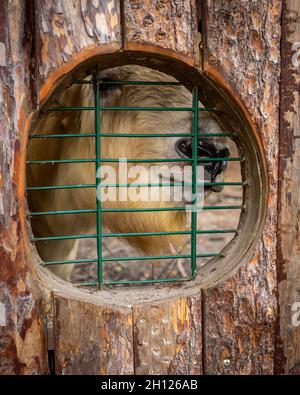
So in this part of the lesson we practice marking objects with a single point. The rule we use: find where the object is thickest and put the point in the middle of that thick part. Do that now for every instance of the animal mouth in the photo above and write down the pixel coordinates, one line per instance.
(205, 151)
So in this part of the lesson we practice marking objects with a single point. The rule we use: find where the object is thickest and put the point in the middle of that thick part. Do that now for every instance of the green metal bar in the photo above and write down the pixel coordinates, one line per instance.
(153, 209)
(125, 108)
(70, 262)
(67, 237)
(194, 187)
(134, 282)
(134, 234)
(133, 210)
(56, 136)
(166, 160)
(75, 186)
(63, 212)
(130, 258)
(149, 258)
(234, 207)
(98, 181)
(51, 187)
(152, 135)
(55, 161)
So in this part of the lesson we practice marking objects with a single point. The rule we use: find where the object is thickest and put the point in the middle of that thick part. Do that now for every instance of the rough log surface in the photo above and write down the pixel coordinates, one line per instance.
(164, 25)
(168, 336)
(288, 342)
(91, 339)
(22, 339)
(242, 50)
(67, 28)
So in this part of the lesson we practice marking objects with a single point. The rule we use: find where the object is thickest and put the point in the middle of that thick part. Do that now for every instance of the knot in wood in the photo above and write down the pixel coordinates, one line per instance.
(148, 20)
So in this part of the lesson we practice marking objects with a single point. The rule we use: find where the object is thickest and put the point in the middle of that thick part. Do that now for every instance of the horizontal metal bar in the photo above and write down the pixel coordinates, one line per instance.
(51, 187)
(55, 161)
(142, 210)
(223, 207)
(55, 136)
(121, 160)
(76, 186)
(62, 212)
(130, 258)
(155, 257)
(132, 282)
(174, 233)
(152, 135)
(176, 184)
(133, 210)
(171, 160)
(136, 282)
(125, 108)
(71, 262)
(67, 237)
(134, 234)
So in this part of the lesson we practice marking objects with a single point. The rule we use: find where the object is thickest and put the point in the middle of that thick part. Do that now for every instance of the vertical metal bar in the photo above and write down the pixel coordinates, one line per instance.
(98, 181)
(194, 182)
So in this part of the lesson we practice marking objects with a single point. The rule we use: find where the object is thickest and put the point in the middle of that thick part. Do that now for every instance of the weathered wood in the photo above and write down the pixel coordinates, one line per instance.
(71, 32)
(288, 337)
(241, 51)
(158, 329)
(22, 338)
(168, 336)
(167, 27)
(92, 339)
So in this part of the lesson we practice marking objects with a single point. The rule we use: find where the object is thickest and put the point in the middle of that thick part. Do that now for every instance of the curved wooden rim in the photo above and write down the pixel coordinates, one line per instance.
(127, 297)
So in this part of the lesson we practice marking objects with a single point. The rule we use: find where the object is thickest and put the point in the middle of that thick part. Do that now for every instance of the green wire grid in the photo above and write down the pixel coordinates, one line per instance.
(97, 135)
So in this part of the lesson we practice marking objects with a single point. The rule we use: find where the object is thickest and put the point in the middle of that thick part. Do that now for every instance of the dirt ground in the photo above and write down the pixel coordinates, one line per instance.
(141, 270)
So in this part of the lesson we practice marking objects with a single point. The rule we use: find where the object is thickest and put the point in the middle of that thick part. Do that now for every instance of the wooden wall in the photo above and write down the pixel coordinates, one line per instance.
(241, 326)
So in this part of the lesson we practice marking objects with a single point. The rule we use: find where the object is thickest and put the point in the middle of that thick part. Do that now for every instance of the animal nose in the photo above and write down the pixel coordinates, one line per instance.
(209, 150)
(205, 150)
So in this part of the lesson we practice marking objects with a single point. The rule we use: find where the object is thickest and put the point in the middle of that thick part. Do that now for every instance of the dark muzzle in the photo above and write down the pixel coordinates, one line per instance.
(205, 151)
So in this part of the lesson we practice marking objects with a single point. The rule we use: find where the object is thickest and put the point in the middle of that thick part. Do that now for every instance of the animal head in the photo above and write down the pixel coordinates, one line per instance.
(125, 122)
(156, 122)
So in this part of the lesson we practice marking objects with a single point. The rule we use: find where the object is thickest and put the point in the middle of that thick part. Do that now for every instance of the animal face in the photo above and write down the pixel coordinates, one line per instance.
(146, 148)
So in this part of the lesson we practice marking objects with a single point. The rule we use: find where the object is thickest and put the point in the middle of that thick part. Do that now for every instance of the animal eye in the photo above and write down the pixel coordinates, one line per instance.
(107, 85)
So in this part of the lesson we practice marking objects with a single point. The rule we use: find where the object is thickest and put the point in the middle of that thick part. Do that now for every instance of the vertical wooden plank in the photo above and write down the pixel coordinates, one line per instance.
(70, 32)
(92, 339)
(168, 336)
(242, 52)
(167, 27)
(288, 337)
(22, 340)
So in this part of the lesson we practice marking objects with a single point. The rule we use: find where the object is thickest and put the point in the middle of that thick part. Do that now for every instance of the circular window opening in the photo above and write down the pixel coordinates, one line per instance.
(136, 177)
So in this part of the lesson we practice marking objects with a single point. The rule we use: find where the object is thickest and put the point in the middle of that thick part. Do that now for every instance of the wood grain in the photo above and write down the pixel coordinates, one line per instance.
(242, 52)
(168, 336)
(67, 28)
(22, 338)
(163, 25)
(288, 340)
(92, 339)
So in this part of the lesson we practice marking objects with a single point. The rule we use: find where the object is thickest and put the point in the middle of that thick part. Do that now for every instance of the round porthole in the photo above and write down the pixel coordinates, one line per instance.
(135, 176)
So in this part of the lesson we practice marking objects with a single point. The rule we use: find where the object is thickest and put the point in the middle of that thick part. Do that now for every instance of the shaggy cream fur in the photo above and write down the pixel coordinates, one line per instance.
(131, 148)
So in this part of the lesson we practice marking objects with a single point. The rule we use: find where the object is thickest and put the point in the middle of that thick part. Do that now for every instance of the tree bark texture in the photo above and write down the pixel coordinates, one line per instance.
(288, 340)
(22, 338)
(229, 328)
(242, 51)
